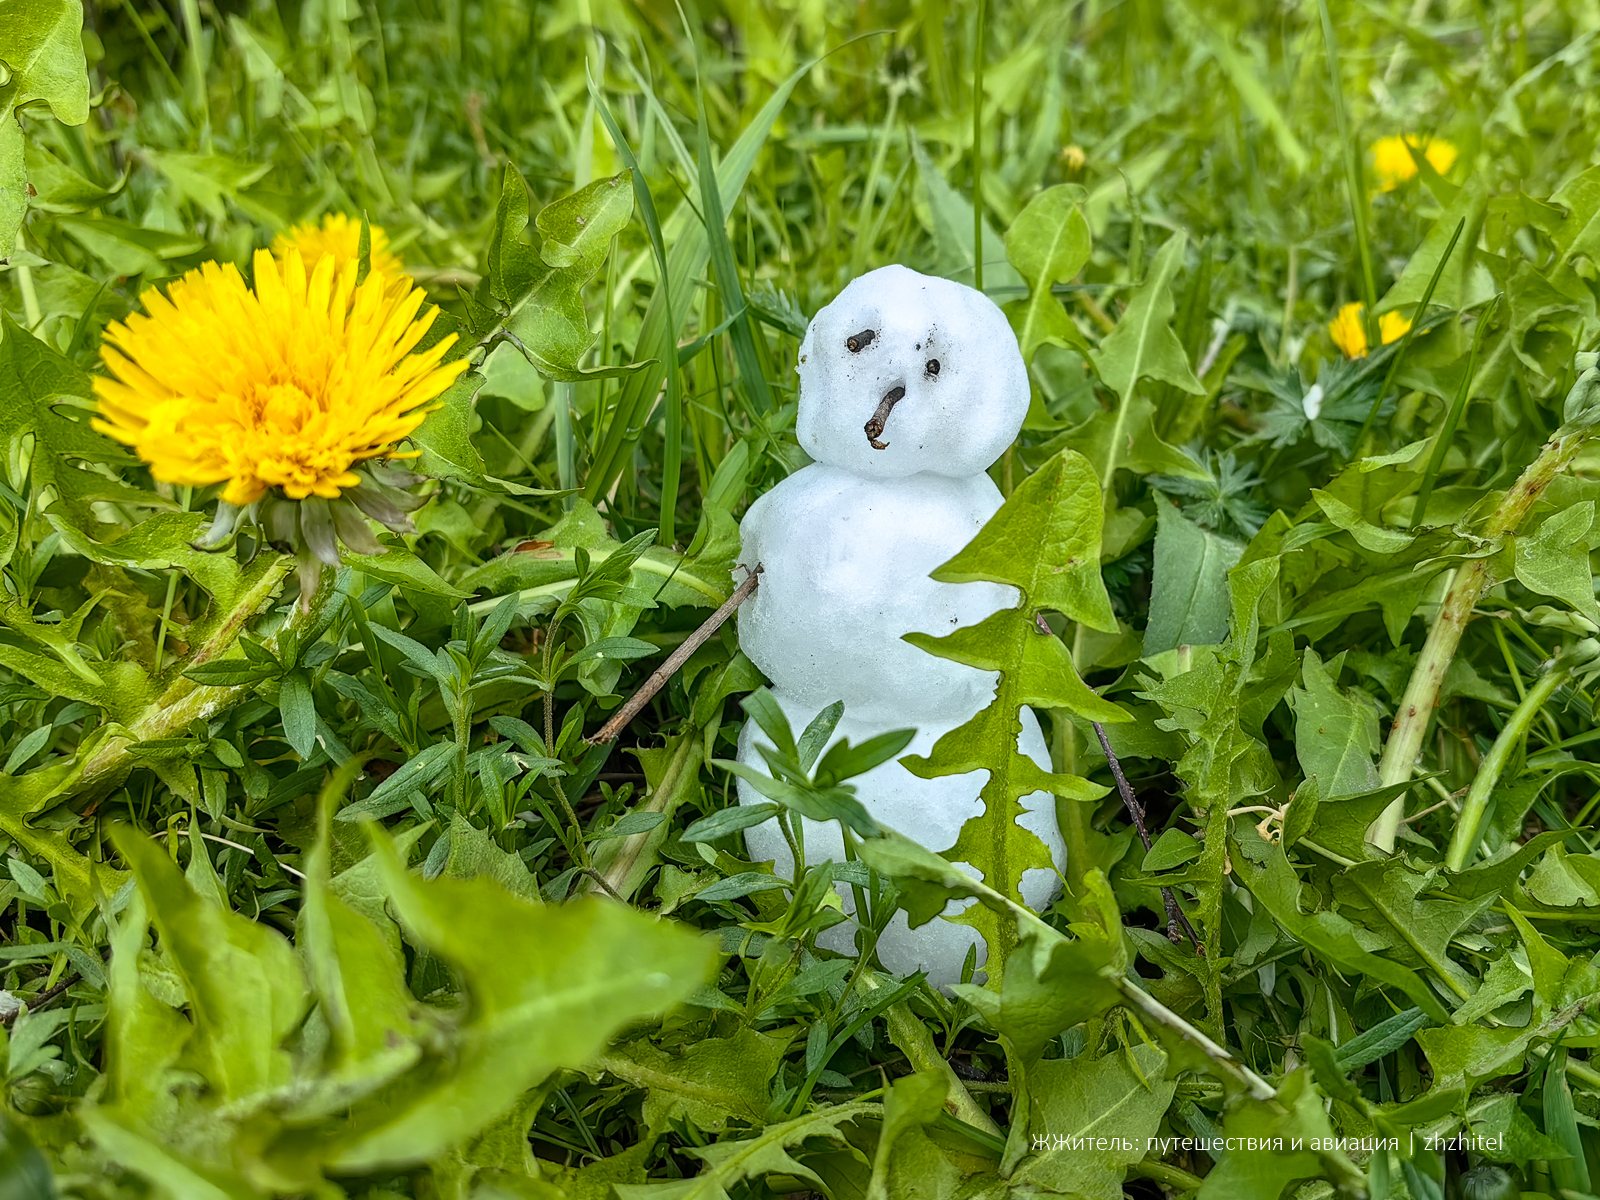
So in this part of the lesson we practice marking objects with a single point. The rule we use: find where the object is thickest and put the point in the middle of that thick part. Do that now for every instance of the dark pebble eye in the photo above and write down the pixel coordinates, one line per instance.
(860, 341)
(933, 367)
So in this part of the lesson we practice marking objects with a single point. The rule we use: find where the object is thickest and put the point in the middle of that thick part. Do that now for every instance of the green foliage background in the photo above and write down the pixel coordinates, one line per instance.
(328, 895)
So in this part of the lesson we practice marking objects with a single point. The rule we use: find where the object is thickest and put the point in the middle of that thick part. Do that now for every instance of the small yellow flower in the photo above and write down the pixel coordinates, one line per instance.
(1393, 162)
(285, 386)
(1073, 158)
(340, 237)
(1349, 331)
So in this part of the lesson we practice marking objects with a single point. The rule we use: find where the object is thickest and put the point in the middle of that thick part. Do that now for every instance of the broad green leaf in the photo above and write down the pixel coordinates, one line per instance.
(545, 991)
(42, 50)
(1117, 1100)
(1464, 282)
(1327, 934)
(39, 388)
(209, 179)
(161, 1164)
(732, 1162)
(1367, 535)
(727, 821)
(1048, 244)
(146, 1036)
(907, 1161)
(474, 854)
(130, 249)
(1295, 1119)
(548, 320)
(1380, 894)
(948, 217)
(299, 713)
(1335, 737)
(712, 1082)
(1189, 586)
(245, 990)
(13, 180)
(1045, 541)
(358, 973)
(406, 571)
(60, 188)
(1143, 345)
(1555, 560)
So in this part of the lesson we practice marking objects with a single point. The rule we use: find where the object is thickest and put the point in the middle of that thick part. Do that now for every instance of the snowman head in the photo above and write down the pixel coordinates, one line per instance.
(904, 373)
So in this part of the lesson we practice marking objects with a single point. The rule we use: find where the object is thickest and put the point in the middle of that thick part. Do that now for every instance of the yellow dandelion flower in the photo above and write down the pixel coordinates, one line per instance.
(340, 237)
(285, 386)
(1392, 326)
(1349, 332)
(1393, 160)
(1074, 158)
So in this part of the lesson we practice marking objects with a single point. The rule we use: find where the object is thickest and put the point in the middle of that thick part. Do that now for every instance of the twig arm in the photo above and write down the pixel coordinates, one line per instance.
(676, 659)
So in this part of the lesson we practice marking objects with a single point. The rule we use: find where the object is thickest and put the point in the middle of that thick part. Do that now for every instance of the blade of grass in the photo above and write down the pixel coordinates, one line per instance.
(723, 267)
(1452, 418)
(977, 148)
(672, 438)
(1405, 342)
(659, 330)
(865, 223)
(1353, 174)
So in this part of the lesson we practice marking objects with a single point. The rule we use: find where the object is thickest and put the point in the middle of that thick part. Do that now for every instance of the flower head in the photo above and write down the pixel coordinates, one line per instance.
(286, 386)
(1394, 161)
(339, 237)
(1349, 331)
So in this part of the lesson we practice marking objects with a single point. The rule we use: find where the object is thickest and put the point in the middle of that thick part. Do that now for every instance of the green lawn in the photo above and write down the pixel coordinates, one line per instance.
(320, 884)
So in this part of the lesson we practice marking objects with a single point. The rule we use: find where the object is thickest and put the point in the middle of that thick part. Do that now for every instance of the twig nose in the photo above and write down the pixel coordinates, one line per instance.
(874, 427)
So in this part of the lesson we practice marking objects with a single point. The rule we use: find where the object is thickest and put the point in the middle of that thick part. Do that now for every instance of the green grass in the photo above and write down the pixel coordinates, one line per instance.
(1279, 530)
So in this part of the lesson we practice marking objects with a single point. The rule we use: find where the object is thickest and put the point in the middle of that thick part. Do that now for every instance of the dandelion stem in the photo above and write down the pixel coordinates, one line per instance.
(1421, 696)
(184, 700)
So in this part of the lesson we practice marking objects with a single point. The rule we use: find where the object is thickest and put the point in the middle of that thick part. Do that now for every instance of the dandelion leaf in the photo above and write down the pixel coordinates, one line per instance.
(1048, 244)
(1189, 584)
(41, 52)
(39, 389)
(1117, 1101)
(547, 991)
(1044, 541)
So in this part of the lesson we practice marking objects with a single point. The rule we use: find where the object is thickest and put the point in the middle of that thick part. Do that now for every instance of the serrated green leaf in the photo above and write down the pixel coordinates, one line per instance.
(1335, 736)
(1117, 1101)
(548, 990)
(1048, 244)
(245, 990)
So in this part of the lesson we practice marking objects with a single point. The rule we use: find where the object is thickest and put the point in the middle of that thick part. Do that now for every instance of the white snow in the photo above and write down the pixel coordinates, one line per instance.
(847, 545)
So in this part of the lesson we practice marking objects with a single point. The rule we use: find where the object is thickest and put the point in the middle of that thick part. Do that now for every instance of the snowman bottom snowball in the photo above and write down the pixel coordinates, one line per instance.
(930, 811)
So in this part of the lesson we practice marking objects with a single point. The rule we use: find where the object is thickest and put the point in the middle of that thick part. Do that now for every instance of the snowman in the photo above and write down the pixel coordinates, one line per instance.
(910, 387)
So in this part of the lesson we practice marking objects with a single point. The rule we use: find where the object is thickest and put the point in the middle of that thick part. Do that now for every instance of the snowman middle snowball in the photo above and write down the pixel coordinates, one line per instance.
(910, 387)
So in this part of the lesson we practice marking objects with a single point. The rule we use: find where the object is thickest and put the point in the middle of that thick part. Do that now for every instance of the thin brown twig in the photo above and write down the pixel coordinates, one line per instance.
(43, 998)
(676, 659)
(1177, 919)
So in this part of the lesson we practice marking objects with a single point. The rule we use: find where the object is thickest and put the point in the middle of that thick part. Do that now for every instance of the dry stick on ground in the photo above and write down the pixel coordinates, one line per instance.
(676, 659)
(1176, 917)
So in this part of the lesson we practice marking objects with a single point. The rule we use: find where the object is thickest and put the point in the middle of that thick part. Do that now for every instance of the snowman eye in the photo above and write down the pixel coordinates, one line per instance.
(933, 368)
(860, 341)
